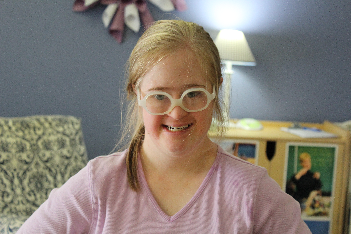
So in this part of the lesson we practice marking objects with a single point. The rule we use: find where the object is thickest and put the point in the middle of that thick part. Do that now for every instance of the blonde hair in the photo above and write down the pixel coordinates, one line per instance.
(158, 41)
(304, 156)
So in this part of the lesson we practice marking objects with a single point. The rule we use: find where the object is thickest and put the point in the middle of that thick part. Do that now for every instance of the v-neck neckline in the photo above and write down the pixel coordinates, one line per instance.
(190, 203)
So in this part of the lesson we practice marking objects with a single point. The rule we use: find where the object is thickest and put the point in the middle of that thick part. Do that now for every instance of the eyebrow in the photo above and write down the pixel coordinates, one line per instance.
(187, 86)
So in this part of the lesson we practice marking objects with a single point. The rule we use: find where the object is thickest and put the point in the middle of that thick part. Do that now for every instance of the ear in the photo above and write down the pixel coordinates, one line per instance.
(135, 88)
(220, 80)
(136, 85)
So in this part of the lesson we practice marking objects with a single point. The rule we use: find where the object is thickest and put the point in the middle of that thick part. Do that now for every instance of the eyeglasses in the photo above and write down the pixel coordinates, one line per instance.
(162, 103)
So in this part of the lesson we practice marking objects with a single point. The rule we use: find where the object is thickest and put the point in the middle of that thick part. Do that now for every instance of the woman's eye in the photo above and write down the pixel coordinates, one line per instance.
(192, 94)
(159, 97)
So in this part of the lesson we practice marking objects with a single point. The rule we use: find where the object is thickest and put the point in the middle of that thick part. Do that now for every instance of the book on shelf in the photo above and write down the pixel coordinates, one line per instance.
(309, 132)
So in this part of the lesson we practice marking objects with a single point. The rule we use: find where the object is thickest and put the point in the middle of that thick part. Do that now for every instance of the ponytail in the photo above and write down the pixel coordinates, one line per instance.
(132, 158)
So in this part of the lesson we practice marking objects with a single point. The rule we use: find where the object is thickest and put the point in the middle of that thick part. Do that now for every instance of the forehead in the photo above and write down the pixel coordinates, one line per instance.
(177, 70)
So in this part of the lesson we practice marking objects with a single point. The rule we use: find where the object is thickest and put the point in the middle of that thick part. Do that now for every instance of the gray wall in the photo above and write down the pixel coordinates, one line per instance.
(56, 61)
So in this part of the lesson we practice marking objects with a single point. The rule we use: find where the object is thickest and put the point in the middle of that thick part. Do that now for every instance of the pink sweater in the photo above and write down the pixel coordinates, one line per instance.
(235, 197)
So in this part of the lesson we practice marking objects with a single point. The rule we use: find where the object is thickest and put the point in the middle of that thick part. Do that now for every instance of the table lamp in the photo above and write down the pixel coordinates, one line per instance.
(233, 50)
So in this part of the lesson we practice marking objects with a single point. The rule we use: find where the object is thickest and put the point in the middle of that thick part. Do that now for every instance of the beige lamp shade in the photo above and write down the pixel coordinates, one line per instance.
(232, 46)
(233, 50)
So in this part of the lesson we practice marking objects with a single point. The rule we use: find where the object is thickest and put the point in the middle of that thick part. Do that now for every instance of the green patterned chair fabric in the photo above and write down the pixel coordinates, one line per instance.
(37, 154)
(11, 223)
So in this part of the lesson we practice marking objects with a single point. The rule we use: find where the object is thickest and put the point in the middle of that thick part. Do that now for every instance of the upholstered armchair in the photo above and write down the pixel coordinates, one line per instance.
(37, 154)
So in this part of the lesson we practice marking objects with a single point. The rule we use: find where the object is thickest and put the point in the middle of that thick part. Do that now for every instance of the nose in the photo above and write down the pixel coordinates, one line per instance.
(177, 113)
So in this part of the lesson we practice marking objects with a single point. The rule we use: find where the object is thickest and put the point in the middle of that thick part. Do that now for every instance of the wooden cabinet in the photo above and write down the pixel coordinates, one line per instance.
(329, 156)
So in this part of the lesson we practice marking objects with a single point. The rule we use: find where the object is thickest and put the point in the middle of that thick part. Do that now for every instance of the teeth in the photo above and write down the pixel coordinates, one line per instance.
(175, 129)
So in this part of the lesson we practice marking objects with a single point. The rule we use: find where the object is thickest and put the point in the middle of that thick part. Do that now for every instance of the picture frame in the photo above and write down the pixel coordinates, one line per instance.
(313, 189)
(244, 149)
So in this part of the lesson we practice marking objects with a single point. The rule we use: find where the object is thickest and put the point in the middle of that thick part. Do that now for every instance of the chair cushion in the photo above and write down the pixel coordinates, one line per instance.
(37, 154)
(11, 223)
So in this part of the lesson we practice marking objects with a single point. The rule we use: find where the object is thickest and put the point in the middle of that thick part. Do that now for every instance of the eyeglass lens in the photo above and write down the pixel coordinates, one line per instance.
(160, 103)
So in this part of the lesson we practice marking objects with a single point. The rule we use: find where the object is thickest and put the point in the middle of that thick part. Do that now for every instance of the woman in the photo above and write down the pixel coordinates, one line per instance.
(172, 178)
(305, 184)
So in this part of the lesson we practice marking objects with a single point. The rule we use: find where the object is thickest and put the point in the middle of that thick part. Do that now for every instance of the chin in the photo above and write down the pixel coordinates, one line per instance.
(187, 144)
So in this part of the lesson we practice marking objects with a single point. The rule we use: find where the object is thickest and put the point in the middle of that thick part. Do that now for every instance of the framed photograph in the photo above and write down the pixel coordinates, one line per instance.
(246, 150)
(309, 178)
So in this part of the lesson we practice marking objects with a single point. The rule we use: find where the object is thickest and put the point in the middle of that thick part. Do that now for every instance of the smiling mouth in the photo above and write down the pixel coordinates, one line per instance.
(176, 129)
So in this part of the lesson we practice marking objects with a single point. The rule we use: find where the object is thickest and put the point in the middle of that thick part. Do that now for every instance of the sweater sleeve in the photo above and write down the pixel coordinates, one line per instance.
(67, 210)
(275, 211)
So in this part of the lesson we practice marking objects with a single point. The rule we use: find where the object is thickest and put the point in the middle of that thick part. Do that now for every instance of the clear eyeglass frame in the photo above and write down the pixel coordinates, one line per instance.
(176, 102)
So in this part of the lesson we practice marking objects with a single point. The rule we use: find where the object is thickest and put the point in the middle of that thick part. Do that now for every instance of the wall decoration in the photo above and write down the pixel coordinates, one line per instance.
(310, 174)
(129, 12)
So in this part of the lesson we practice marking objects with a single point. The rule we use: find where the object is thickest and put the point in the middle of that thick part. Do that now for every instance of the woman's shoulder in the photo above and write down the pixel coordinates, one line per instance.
(106, 168)
(239, 176)
(238, 165)
(108, 161)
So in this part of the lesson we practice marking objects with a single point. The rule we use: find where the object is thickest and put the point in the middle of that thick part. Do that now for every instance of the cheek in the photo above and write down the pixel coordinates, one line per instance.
(152, 123)
(205, 118)
(209, 113)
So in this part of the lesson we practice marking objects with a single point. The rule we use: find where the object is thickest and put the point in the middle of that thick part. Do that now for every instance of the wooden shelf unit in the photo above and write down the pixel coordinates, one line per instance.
(277, 166)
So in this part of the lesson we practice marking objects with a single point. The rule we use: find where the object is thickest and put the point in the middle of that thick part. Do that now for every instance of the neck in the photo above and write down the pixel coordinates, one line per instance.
(195, 161)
